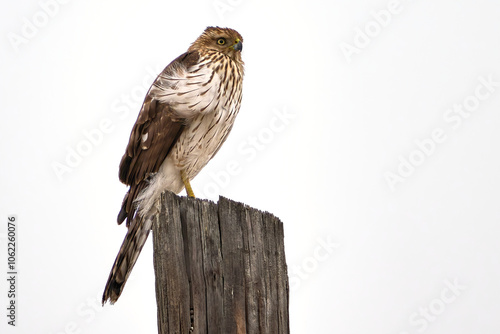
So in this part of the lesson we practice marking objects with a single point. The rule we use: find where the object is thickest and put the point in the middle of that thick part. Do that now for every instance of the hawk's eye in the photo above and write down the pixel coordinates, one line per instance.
(221, 41)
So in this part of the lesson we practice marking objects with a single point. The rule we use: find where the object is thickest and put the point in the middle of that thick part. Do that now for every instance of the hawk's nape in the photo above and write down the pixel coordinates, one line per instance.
(185, 118)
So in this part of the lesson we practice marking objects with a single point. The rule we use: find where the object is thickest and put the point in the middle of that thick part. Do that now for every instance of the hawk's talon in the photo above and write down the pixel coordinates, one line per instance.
(185, 180)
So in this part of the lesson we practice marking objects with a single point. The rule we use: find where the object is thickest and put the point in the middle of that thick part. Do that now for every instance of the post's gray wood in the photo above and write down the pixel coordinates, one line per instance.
(220, 268)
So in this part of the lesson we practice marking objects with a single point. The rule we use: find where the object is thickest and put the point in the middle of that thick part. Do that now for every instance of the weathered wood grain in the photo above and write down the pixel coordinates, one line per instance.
(220, 268)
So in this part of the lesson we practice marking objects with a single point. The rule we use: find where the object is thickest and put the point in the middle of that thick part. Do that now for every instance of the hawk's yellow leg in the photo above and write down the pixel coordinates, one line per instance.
(185, 180)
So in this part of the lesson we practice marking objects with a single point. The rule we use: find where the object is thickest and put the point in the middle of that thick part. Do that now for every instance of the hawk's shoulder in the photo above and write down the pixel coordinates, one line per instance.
(157, 126)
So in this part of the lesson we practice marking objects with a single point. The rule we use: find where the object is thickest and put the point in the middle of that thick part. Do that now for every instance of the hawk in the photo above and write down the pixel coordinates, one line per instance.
(186, 116)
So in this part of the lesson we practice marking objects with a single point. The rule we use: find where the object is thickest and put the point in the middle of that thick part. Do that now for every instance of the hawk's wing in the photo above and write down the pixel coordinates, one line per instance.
(164, 113)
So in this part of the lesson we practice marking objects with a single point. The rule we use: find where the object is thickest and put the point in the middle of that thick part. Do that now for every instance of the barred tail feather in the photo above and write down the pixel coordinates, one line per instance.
(135, 239)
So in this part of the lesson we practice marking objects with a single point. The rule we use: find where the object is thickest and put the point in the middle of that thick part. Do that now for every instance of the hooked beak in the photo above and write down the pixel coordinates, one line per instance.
(238, 46)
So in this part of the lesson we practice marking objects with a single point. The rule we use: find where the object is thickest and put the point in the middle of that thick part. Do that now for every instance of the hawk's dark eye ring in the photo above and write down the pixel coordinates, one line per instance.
(221, 41)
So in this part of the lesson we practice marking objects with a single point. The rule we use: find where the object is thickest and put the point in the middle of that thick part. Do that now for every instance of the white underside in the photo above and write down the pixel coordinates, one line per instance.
(168, 177)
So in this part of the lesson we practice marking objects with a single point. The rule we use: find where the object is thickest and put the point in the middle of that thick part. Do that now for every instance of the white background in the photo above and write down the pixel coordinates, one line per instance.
(363, 256)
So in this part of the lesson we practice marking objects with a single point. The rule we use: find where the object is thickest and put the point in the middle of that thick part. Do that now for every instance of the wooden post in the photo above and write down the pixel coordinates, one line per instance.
(220, 268)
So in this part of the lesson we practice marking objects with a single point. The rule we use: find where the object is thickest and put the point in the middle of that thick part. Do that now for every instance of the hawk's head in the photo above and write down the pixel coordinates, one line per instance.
(225, 40)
